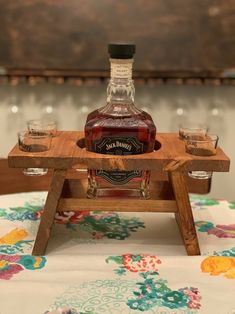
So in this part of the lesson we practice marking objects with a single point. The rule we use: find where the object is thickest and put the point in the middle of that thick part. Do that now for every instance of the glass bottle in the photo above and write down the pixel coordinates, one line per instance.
(119, 128)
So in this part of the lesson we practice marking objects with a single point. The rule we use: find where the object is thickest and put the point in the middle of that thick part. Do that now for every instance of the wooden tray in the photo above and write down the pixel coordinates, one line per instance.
(169, 190)
(66, 154)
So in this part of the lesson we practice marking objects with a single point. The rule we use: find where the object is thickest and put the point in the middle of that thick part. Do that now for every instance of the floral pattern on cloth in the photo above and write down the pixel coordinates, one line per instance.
(153, 291)
(137, 284)
(217, 265)
(145, 292)
(13, 242)
(11, 264)
(231, 205)
(99, 296)
(220, 231)
(198, 202)
(21, 213)
(230, 252)
(101, 224)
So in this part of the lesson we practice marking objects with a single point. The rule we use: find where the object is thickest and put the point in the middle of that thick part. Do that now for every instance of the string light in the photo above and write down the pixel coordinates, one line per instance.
(49, 109)
(14, 109)
(179, 111)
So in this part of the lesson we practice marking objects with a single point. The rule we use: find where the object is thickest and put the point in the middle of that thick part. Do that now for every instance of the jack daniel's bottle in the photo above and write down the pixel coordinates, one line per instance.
(119, 128)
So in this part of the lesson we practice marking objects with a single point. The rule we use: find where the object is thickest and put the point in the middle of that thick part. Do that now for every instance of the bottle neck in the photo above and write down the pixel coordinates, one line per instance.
(121, 68)
(121, 90)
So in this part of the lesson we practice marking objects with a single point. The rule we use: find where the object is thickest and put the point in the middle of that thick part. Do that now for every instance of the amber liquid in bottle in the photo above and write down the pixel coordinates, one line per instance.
(119, 128)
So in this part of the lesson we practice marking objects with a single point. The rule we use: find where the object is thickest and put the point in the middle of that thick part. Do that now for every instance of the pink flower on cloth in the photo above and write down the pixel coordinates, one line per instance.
(141, 262)
(103, 215)
(194, 296)
(223, 231)
(9, 266)
(71, 217)
(220, 231)
(194, 305)
(38, 214)
(13, 264)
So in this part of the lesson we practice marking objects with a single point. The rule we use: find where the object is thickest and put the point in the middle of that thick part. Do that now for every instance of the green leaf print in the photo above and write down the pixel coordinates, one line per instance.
(116, 259)
(26, 207)
(232, 205)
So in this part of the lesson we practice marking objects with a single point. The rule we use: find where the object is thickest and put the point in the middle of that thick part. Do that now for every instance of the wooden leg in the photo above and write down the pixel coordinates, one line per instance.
(49, 212)
(184, 216)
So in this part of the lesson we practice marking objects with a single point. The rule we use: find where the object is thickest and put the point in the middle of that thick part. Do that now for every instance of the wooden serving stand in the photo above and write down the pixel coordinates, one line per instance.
(169, 165)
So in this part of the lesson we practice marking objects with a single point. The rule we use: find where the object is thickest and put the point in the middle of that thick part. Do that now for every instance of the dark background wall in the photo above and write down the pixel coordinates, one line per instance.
(182, 35)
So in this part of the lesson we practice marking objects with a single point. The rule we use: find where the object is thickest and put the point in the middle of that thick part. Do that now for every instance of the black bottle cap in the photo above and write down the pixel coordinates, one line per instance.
(121, 50)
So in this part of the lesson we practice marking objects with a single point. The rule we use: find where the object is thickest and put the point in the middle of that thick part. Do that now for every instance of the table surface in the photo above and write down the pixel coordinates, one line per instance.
(65, 154)
(110, 262)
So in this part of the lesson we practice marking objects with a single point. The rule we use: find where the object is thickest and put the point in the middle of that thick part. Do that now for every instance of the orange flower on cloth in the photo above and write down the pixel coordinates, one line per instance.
(216, 265)
(13, 236)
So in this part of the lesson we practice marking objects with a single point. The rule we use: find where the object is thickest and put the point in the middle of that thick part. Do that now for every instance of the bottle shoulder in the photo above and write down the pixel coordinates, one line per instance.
(97, 119)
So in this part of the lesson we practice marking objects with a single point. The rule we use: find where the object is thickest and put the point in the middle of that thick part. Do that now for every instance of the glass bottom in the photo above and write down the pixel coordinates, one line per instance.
(35, 171)
(201, 175)
(137, 187)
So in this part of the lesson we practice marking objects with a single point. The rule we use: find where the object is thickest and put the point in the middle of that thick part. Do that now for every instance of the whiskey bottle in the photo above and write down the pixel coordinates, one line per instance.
(119, 128)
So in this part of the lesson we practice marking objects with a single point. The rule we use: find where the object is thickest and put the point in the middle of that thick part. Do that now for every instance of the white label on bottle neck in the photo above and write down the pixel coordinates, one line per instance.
(121, 68)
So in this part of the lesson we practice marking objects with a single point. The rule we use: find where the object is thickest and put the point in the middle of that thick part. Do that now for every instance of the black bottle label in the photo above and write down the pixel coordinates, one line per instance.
(119, 146)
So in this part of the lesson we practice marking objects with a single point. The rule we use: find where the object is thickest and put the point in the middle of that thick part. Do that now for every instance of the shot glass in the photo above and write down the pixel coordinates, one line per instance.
(199, 146)
(197, 131)
(38, 125)
(33, 143)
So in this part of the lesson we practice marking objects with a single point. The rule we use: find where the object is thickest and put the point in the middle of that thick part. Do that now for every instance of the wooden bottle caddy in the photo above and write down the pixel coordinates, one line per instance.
(169, 165)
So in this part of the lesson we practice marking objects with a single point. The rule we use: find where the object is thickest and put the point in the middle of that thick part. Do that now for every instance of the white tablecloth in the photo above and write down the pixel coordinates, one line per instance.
(99, 262)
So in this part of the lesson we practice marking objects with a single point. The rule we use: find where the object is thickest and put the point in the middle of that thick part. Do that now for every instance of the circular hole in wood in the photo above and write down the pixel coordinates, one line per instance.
(157, 145)
(81, 144)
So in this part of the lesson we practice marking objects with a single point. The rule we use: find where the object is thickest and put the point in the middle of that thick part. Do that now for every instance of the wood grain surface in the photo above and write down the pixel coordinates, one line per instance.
(48, 216)
(184, 215)
(12, 180)
(66, 154)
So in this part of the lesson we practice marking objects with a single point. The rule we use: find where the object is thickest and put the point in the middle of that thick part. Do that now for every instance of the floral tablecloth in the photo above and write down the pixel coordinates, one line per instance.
(109, 262)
